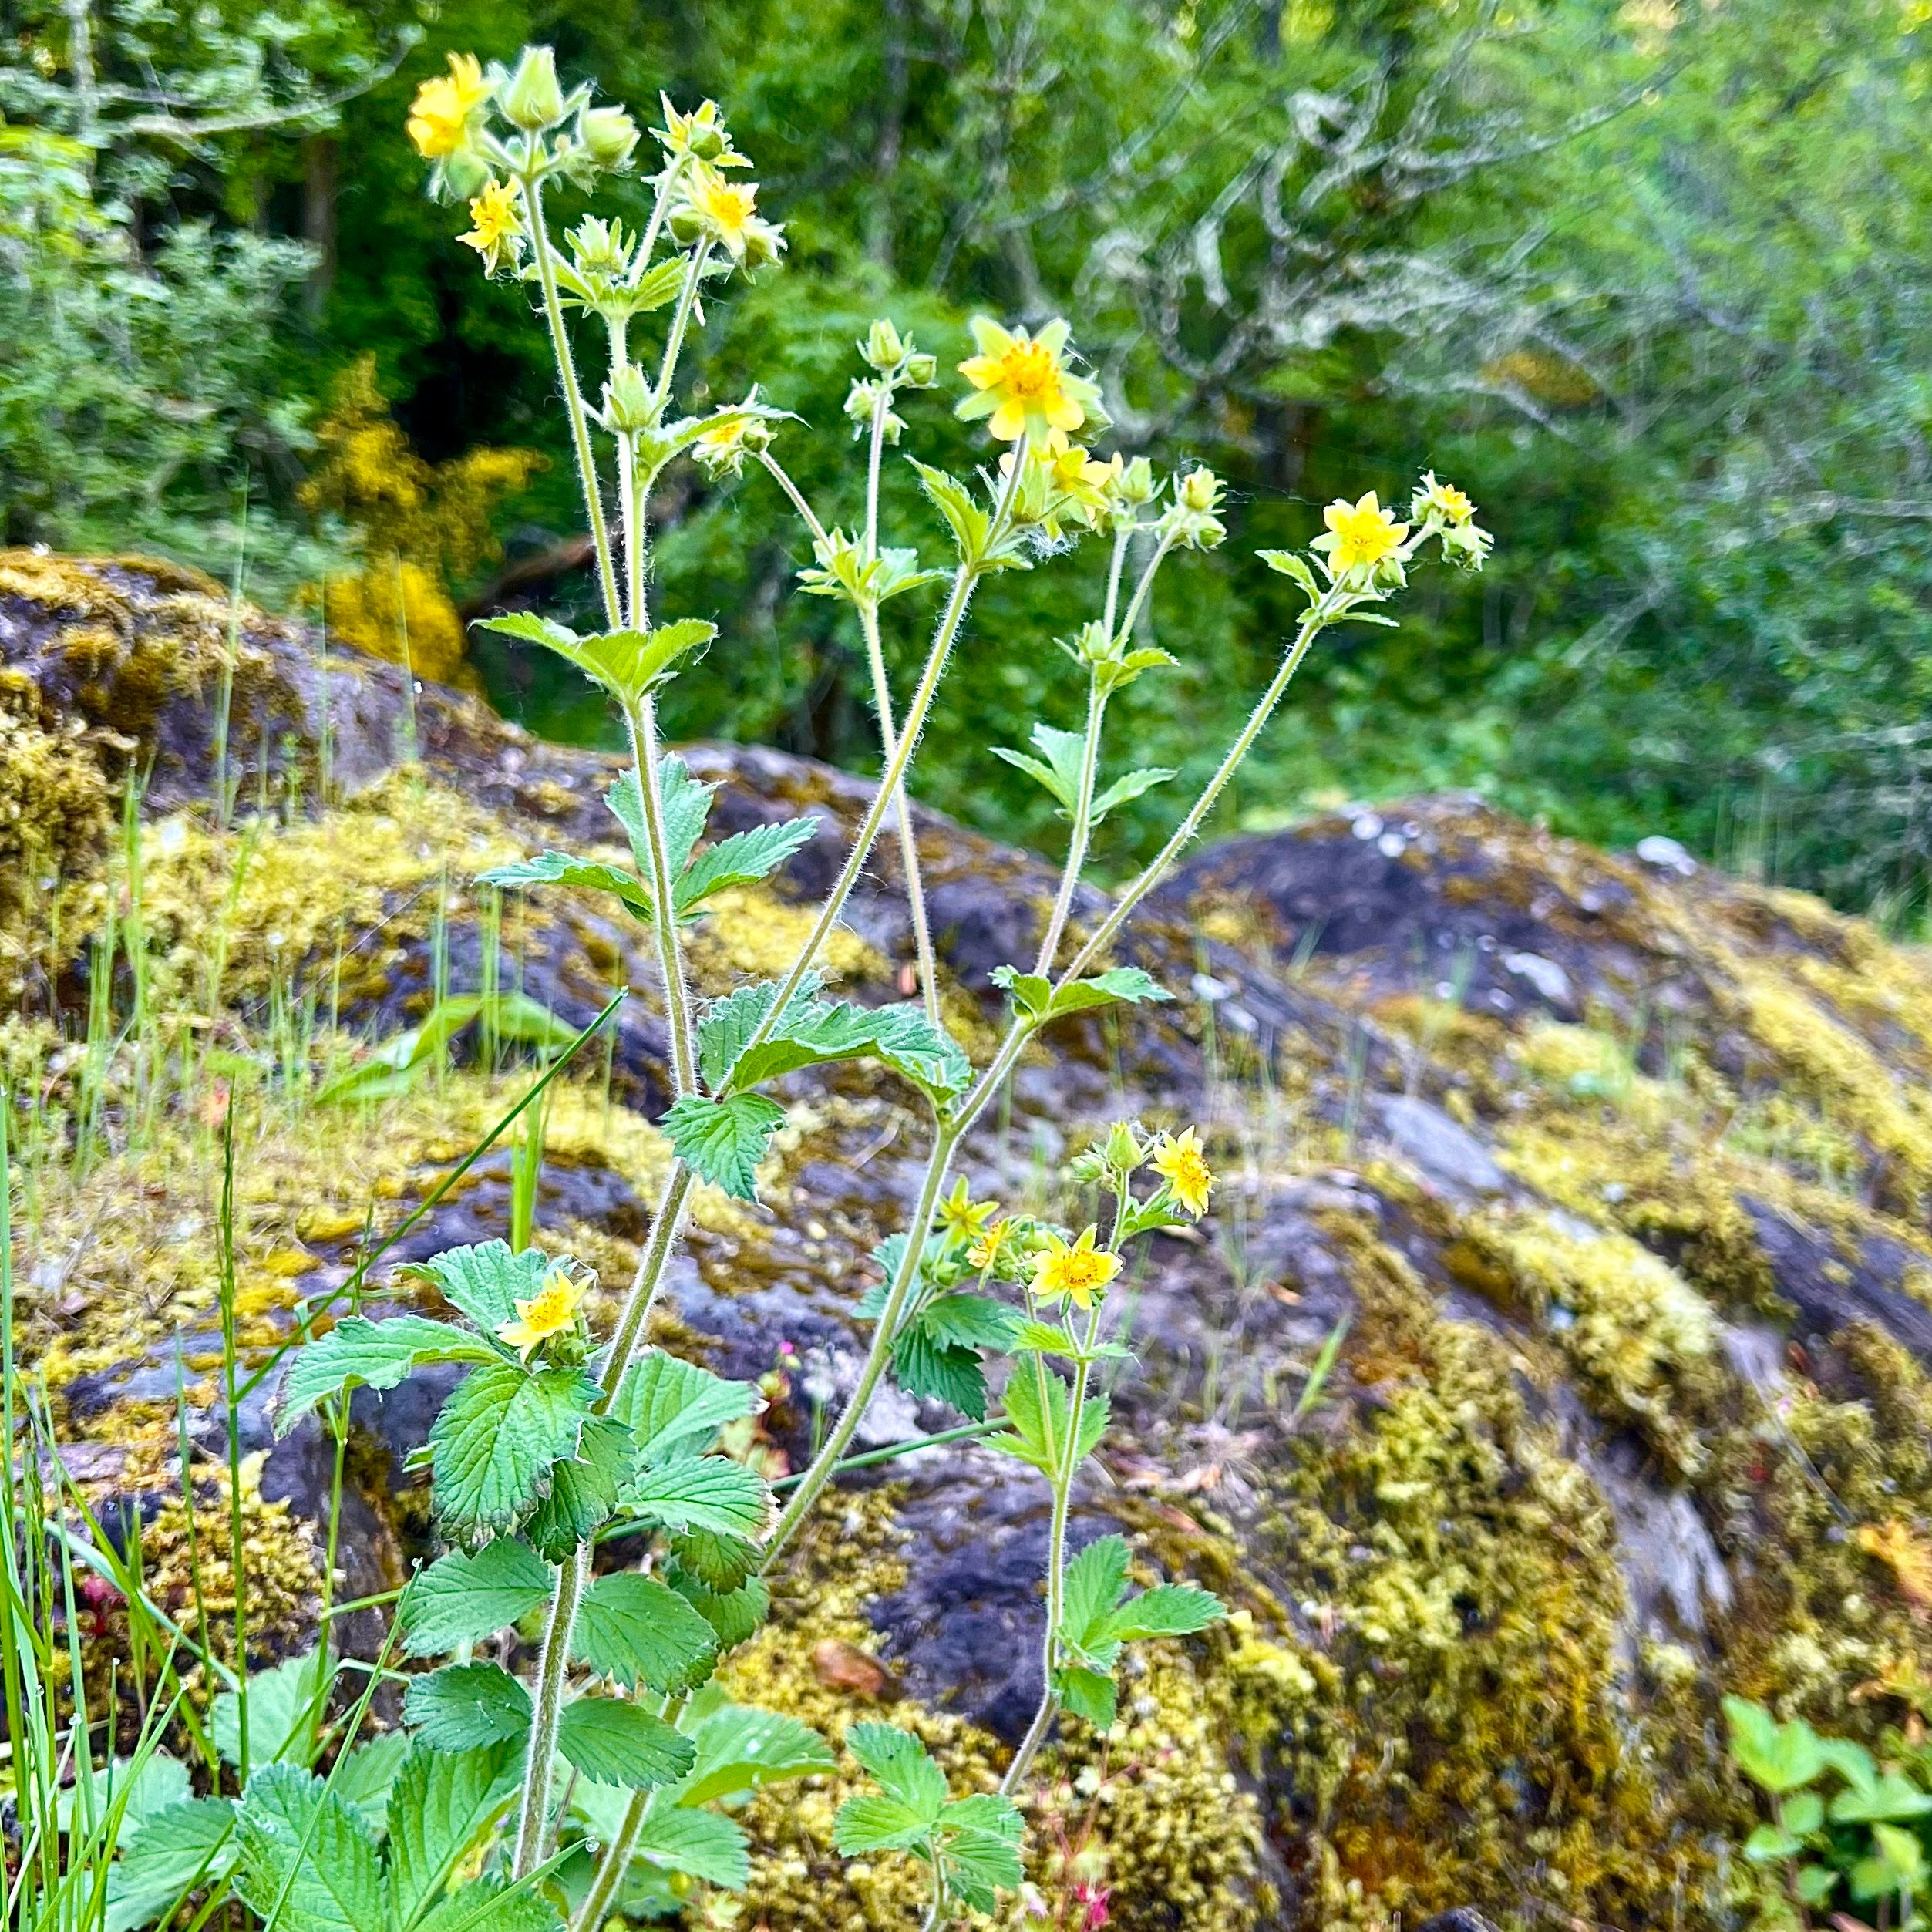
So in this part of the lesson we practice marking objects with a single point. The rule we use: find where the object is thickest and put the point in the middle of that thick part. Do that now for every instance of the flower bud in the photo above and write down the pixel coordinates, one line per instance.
(1122, 1149)
(1136, 484)
(922, 372)
(464, 175)
(609, 133)
(686, 224)
(533, 99)
(1200, 490)
(627, 400)
(882, 347)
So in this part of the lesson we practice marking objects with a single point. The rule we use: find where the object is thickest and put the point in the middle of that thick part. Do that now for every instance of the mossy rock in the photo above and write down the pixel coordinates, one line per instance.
(1625, 1210)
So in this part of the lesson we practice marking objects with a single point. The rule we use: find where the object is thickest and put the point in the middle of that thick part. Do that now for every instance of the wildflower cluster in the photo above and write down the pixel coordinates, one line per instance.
(559, 1443)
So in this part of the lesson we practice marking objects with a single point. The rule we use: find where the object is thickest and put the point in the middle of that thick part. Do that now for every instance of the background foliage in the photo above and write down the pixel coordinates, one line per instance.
(1646, 276)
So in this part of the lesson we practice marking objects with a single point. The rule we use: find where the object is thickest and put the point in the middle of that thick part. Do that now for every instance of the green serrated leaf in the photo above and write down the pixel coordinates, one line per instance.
(700, 1844)
(739, 860)
(366, 1776)
(180, 1848)
(442, 1803)
(306, 1852)
(968, 522)
(583, 1494)
(620, 1743)
(741, 1747)
(586, 875)
(1031, 991)
(901, 1766)
(284, 1703)
(674, 1407)
(462, 1598)
(723, 1141)
(1089, 1694)
(634, 1630)
(379, 1354)
(924, 1367)
(492, 1446)
(1127, 983)
(1092, 1585)
(1170, 1610)
(873, 1823)
(1290, 565)
(719, 1562)
(485, 1281)
(1129, 787)
(467, 1707)
(628, 664)
(489, 1904)
(971, 1321)
(735, 1616)
(684, 803)
(701, 1492)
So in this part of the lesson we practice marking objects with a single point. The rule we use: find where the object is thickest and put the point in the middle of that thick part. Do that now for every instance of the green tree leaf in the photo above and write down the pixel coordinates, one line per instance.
(618, 1743)
(467, 1707)
(723, 1141)
(492, 1446)
(462, 1598)
(378, 1353)
(635, 1629)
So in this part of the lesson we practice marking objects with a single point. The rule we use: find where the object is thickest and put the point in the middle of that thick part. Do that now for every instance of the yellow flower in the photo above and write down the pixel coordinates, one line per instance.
(1441, 500)
(1359, 533)
(440, 114)
(960, 1214)
(1078, 1272)
(1179, 1161)
(498, 226)
(987, 1249)
(1082, 484)
(550, 1311)
(728, 212)
(1021, 384)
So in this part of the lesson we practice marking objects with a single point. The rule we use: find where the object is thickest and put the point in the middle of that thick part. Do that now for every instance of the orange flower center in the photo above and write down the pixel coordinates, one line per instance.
(1029, 371)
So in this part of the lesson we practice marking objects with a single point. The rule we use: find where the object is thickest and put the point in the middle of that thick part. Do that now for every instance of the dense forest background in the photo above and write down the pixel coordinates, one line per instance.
(1647, 278)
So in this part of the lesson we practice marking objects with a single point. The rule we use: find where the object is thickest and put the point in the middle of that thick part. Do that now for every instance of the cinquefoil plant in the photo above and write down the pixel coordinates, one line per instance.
(556, 1438)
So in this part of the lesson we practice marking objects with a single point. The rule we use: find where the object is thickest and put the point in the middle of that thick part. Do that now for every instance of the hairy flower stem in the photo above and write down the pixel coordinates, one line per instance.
(553, 1676)
(947, 1141)
(641, 719)
(888, 739)
(635, 1322)
(1082, 833)
(964, 578)
(572, 401)
(1069, 1467)
(944, 1141)
(1319, 617)
(674, 342)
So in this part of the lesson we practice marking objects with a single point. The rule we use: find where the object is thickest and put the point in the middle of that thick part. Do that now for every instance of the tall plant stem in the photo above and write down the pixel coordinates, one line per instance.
(944, 1140)
(641, 719)
(888, 737)
(1317, 617)
(1081, 833)
(611, 1864)
(1068, 1468)
(572, 402)
(553, 1676)
(964, 580)
(634, 1323)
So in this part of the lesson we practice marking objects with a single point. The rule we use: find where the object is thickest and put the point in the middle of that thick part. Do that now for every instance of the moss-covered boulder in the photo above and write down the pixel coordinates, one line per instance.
(1554, 1360)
